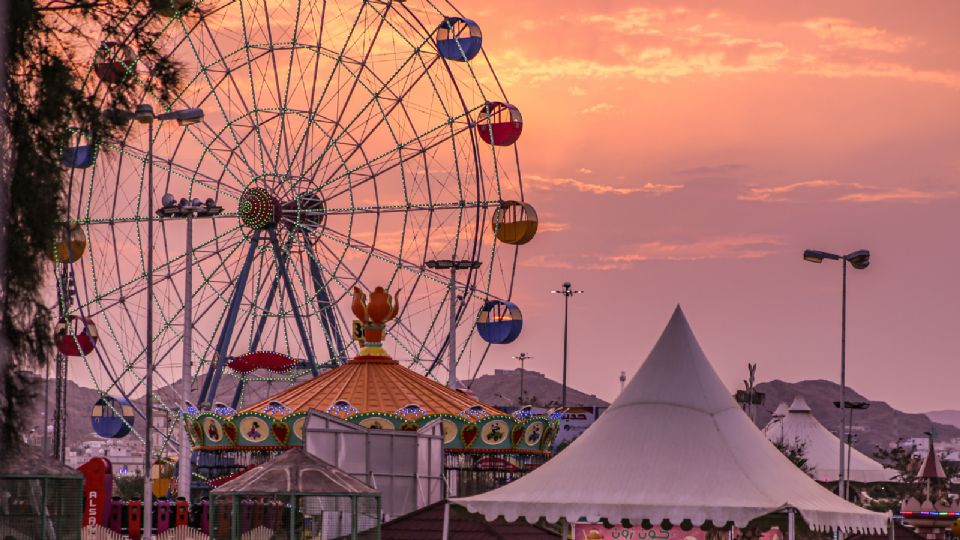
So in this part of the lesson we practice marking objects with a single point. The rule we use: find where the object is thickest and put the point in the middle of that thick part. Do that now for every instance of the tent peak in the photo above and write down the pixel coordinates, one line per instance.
(799, 405)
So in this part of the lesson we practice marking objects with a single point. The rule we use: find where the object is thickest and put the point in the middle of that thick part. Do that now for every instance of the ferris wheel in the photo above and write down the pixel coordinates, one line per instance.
(316, 146)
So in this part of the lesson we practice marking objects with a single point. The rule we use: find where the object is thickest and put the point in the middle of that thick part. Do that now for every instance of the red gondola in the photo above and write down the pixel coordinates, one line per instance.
(112, 62)
(499, 124)
(76, 336)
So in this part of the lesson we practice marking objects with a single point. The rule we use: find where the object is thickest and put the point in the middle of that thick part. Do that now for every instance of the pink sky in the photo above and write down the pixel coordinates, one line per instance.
(689, 152)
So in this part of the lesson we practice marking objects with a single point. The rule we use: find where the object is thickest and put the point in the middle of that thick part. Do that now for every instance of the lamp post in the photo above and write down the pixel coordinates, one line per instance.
(859, 260)
(452, 265)
(187, 210)
(522, 357)
(567, 292)
(851, 405)
(144, 114)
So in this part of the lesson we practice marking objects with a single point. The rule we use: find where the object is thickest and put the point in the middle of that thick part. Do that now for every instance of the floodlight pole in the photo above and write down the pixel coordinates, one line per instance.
(842, 479)
(148, 450)
(567, 292)
(183, 463)
(452, 265)
(859, 259)
(522, 357)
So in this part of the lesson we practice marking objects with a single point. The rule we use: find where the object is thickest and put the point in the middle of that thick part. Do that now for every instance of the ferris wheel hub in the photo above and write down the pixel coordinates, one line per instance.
(258, 208)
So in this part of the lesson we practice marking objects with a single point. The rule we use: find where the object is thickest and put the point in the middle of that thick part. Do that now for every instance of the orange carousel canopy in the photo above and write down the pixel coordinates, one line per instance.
(374, 384)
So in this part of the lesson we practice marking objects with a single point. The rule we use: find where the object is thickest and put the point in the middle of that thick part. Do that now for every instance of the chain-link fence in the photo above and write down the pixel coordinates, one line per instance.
(293, 516)
(40, 507)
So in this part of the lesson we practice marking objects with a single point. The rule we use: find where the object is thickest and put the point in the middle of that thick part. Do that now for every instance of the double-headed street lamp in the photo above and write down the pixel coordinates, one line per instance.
(452, 265)
(186, 210)
(567, 292)
(859, 260)
(522, 357)
(144, 114)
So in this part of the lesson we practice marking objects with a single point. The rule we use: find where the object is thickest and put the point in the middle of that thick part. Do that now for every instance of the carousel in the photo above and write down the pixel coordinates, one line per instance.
(485, 446)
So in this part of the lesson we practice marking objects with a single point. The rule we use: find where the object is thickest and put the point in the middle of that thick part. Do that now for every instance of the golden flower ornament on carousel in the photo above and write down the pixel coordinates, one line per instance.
(373, 315)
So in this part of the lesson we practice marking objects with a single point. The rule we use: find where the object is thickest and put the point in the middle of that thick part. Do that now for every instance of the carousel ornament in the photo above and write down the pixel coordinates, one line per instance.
(373, 316)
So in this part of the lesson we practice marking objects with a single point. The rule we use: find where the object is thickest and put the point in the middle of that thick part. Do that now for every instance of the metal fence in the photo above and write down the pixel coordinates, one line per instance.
(40, 507)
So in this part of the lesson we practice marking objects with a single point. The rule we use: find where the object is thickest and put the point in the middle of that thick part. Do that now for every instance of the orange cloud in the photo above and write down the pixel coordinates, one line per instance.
(543, 183)
(848, 192)
(846, 33)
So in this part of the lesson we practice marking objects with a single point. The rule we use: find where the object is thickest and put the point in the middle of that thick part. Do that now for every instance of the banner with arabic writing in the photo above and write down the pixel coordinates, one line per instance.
(596, 531)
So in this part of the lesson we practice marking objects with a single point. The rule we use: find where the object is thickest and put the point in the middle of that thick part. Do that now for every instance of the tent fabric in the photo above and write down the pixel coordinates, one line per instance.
(822, 448)
(674, 446)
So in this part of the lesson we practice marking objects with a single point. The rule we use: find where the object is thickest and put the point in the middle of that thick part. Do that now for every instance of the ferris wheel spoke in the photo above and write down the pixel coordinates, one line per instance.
(347, 174)
(141, 277)
(381, 121)
(415, 52)
(212, 86)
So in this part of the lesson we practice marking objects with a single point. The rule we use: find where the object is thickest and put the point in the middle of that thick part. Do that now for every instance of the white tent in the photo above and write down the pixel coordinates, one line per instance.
(822, 448)
(673, 446)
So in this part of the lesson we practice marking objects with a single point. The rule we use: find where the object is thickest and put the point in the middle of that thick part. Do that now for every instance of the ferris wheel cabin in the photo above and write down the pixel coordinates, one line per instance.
(459, 39)
(499, 124)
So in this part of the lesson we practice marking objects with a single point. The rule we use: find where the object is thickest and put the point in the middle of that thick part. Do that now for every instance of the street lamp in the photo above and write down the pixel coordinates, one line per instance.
(567, 292)
(859, 260)
(522, 357)
(144, 114)
(452, 265)
(851, 406)
(187, 210)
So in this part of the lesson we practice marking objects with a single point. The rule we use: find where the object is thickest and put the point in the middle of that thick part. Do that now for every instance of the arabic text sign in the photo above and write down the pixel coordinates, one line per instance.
(596, 531)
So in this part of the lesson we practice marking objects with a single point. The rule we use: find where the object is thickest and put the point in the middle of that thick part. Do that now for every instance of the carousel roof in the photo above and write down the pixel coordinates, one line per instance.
(373, 384)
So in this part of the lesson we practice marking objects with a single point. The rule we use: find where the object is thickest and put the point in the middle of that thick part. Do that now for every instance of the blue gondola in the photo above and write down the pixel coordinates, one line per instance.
(79, 155)
(106, 420)
(499, 322)
(459, 39)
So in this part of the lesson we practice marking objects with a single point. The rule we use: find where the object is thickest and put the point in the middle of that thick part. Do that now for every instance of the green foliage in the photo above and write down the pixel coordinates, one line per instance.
(49, 89)
(128, 487)
(902, 459)
(796, 452)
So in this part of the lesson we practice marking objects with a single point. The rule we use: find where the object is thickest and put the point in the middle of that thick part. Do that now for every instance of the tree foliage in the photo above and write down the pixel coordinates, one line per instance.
(48, 89)
(906, 461)
(796, 452)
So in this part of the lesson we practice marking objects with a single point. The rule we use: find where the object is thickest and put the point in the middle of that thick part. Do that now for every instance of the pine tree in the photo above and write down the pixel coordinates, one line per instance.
(46, 48)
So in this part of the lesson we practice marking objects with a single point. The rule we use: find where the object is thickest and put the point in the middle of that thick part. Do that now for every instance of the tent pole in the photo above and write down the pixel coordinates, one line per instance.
(446, 521)
(791, 524)
(564, 529)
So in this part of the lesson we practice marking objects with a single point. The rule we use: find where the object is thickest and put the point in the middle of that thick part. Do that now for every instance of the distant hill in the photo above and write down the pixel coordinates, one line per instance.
(879, 425)
(502, 389)
(80, 400)
(948, 416)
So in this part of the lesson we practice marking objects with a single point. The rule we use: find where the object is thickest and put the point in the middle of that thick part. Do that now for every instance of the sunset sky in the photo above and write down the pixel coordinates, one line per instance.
(688, 153)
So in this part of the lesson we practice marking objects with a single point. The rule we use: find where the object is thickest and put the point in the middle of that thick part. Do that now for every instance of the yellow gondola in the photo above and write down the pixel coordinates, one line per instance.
(515, 222)
(70, 245)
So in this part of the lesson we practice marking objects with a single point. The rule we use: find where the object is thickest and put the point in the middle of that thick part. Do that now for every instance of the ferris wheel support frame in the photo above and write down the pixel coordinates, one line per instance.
(328, 320)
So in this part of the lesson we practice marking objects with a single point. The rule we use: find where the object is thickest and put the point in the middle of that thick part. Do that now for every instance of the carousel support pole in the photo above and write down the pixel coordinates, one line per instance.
(791, 524)
(353, 519)
(893, 533)
(564, 529)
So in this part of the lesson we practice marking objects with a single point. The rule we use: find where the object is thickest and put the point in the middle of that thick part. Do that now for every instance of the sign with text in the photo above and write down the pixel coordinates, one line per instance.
(596, 531)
